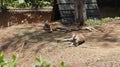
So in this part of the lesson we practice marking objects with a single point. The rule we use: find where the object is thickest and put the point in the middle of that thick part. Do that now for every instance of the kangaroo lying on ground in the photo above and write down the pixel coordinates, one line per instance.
(50, 27)
(76, 39)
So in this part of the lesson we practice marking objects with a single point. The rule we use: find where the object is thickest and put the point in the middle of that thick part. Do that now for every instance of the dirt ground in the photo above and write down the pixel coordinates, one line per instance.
(101, 49)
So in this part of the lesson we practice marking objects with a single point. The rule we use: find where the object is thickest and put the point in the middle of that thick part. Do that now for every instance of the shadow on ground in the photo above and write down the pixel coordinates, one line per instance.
(31, 38)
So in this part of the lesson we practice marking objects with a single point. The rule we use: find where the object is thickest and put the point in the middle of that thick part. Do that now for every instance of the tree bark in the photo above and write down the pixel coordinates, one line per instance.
(80, 12)
(55, 13)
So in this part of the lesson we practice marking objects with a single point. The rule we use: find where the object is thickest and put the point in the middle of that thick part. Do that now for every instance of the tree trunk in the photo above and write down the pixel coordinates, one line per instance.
(80, 12)
(55, 13)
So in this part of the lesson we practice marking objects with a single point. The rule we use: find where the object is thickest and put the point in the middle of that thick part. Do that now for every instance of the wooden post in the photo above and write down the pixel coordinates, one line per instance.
(80, 12)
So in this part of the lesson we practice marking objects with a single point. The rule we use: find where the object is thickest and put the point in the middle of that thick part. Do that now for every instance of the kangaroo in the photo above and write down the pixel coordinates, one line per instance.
(54, 26)
(76, 39)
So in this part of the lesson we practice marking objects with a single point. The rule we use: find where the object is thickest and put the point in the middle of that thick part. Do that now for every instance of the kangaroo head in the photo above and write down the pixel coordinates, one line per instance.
(46, 26)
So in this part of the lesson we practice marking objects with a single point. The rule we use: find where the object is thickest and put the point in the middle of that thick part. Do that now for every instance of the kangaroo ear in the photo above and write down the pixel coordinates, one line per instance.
(46, 22)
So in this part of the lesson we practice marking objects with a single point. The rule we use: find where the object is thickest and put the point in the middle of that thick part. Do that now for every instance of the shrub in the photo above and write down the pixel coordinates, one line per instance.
(93, 22)
(12, 62)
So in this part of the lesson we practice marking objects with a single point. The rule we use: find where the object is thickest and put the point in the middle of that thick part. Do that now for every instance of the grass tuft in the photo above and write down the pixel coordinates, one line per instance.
(97, 22)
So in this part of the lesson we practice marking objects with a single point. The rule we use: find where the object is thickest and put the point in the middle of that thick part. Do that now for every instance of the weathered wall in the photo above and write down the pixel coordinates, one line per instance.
(109, 3)
(109, 8)
(109, 12)
(23, 16)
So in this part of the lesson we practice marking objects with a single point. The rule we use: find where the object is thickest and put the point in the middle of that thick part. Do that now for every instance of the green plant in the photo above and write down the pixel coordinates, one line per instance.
(12, 62)
(8, 63)
(41, 63)
(117, 18)
(1, 59)
(63, 64)
(44, 3)
(21, 5)
(94, 22)
(44, 63)
(104, 20)
(26, 4)
(3, 8)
